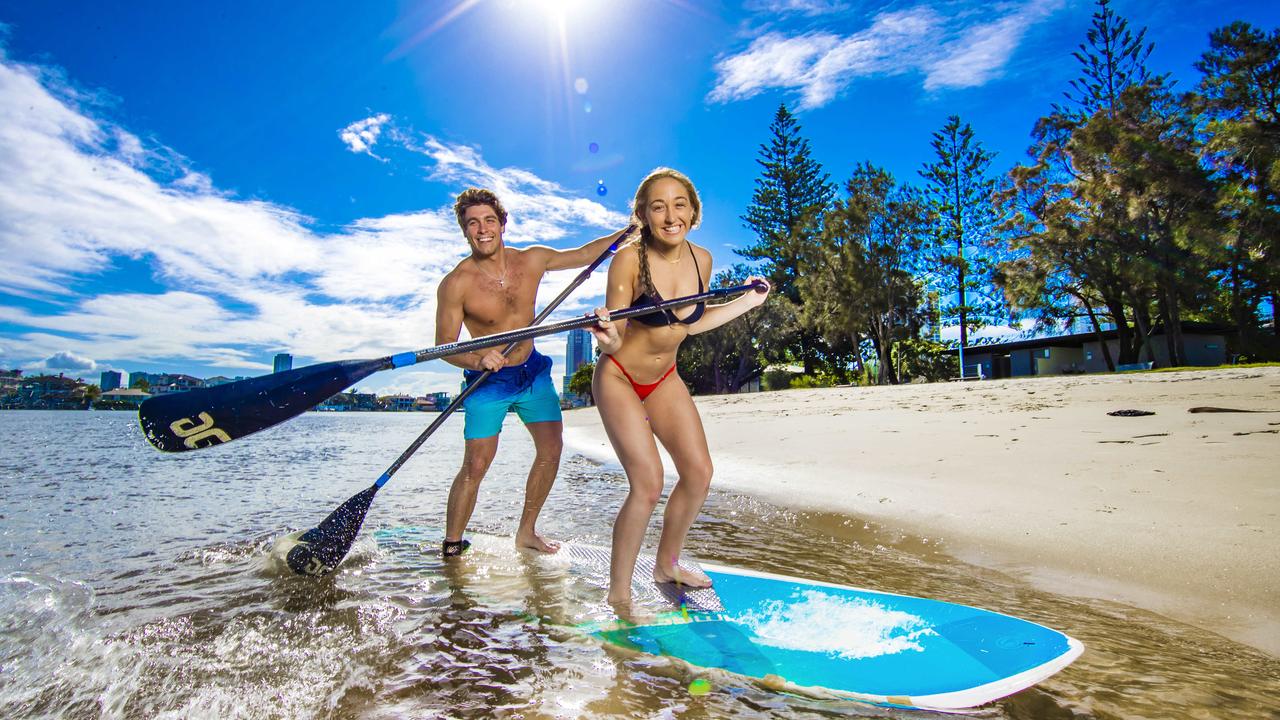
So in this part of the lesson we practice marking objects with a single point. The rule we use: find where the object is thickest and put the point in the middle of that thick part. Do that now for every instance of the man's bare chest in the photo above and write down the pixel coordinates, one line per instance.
(492, 306)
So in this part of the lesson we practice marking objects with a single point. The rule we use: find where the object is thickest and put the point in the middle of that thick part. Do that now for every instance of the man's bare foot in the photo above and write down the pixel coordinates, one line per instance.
(534, 541)
(682, 576)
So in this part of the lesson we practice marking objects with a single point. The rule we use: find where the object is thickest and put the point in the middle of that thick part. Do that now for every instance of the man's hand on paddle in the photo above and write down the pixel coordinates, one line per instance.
(492, 359)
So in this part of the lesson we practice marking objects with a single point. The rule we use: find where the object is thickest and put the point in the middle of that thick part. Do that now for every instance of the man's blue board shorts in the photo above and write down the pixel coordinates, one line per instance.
(525, 388)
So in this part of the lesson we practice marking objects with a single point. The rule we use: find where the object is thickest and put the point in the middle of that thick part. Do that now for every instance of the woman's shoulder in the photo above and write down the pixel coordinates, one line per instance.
(703, 256)
(627, 257)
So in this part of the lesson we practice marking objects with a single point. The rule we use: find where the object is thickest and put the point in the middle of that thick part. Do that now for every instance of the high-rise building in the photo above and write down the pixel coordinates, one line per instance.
(578, 351)
(111, 380)
(576, 354)
(284, 361)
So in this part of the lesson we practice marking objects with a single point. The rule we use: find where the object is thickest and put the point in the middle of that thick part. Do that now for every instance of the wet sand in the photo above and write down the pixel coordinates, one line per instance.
(1175, 512)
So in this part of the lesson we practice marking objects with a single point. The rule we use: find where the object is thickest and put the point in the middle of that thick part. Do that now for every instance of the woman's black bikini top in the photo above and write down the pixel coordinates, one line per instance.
(667, 317)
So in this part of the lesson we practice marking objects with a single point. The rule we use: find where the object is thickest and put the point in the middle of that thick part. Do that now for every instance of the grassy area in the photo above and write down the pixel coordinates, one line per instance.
(1213, 367)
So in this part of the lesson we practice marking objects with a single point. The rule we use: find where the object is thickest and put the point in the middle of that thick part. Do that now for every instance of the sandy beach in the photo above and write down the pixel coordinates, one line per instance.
(1176, 512)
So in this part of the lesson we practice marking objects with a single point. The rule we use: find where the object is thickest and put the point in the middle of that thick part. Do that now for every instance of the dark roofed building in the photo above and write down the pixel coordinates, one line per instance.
(1204, 345)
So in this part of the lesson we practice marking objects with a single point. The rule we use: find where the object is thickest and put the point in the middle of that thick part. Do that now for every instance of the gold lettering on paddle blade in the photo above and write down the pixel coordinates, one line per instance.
(199, 435)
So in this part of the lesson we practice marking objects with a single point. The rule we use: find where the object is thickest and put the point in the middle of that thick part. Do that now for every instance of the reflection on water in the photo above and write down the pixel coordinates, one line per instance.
(135, 585)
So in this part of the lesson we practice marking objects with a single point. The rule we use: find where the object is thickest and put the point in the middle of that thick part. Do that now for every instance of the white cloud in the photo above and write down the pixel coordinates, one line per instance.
(68, 361)
(802, 7)
(948, 51)
(241, 279)
(361, 135)
(982, 51)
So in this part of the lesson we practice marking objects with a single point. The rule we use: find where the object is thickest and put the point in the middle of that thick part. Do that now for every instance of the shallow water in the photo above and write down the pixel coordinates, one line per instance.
(136, 585)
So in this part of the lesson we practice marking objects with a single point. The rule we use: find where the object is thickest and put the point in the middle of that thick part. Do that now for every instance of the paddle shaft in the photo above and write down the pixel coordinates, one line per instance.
(199, 418)
(319, 550)
(457, 402)
(532, 332)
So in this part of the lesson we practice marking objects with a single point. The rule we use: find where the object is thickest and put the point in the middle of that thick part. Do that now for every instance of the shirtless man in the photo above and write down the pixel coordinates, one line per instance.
(492, 291)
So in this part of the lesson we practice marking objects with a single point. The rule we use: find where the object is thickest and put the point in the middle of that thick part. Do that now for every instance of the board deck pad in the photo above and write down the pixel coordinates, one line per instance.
(593, 561)
(809, 637)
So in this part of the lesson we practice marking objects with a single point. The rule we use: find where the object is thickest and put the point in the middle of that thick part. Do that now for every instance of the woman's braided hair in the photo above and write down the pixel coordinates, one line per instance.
(637, 213)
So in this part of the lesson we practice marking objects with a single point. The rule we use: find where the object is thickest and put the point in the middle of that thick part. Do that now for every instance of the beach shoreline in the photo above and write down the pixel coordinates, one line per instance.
(1175, 512)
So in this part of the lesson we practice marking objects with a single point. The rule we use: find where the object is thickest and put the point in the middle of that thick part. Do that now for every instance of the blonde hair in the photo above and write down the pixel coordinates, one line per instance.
(637, 213)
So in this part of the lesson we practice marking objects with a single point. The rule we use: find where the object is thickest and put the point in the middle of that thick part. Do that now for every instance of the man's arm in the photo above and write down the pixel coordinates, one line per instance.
(582, 256)
(449, 314)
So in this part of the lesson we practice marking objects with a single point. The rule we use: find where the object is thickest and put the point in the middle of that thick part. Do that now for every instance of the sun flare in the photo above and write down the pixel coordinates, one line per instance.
(557, 8)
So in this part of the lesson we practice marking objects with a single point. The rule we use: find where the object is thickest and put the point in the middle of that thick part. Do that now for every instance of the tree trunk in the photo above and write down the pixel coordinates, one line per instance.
(1097, 332)
(858, 366)
(1142, 319)
(1237, 283)
(1173, 330)
(1124, 334)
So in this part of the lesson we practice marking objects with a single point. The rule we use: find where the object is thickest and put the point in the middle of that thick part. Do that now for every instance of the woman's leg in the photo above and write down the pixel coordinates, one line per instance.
(625, 421)
(675, 421)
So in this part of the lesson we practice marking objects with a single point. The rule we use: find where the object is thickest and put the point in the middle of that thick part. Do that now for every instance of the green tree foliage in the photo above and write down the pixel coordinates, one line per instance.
(791, 194)
(580, 382)
(734, 354)
(1161, 200)
(963, 251)
(1238, 104)
(1112, 58)
(140, 384)
(858, 279)
(1073, 215)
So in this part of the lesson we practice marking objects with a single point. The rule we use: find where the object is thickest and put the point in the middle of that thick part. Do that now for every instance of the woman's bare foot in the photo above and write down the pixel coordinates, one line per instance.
(534, 541)
(681, 576)
(621, 603)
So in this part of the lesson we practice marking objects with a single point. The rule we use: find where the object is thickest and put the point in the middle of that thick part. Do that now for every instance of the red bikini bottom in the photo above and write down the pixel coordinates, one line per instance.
(642, 391)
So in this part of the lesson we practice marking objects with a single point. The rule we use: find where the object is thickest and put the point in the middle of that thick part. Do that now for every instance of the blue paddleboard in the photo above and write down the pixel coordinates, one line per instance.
(808, 637)
(829, 640)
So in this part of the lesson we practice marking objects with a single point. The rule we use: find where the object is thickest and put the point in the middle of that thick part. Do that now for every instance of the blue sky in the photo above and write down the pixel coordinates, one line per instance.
(195, 187)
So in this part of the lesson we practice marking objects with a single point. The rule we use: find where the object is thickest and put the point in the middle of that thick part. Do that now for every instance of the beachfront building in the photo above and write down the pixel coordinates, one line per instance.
(121, 397)
(283, 361)
(437, 400)
(48, 392)
(165, 383)
(397, 403)
(1203, 344)
(577, 353)
(345, 401)
(9, 381)
(110, 380)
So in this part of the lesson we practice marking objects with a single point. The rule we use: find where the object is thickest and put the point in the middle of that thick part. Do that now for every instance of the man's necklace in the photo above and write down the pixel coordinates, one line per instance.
(502, 281)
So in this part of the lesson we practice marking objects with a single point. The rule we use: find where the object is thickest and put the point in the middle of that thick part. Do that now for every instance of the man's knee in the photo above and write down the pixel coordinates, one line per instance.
(548, 440)
(550, 449)
(478, 458)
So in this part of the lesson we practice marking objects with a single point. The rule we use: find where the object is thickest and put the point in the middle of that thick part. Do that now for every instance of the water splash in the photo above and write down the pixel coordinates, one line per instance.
(850, 628)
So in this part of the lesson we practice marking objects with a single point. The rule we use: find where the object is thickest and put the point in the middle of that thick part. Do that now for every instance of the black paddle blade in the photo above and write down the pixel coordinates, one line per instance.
(320, 549)
(198, 418)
